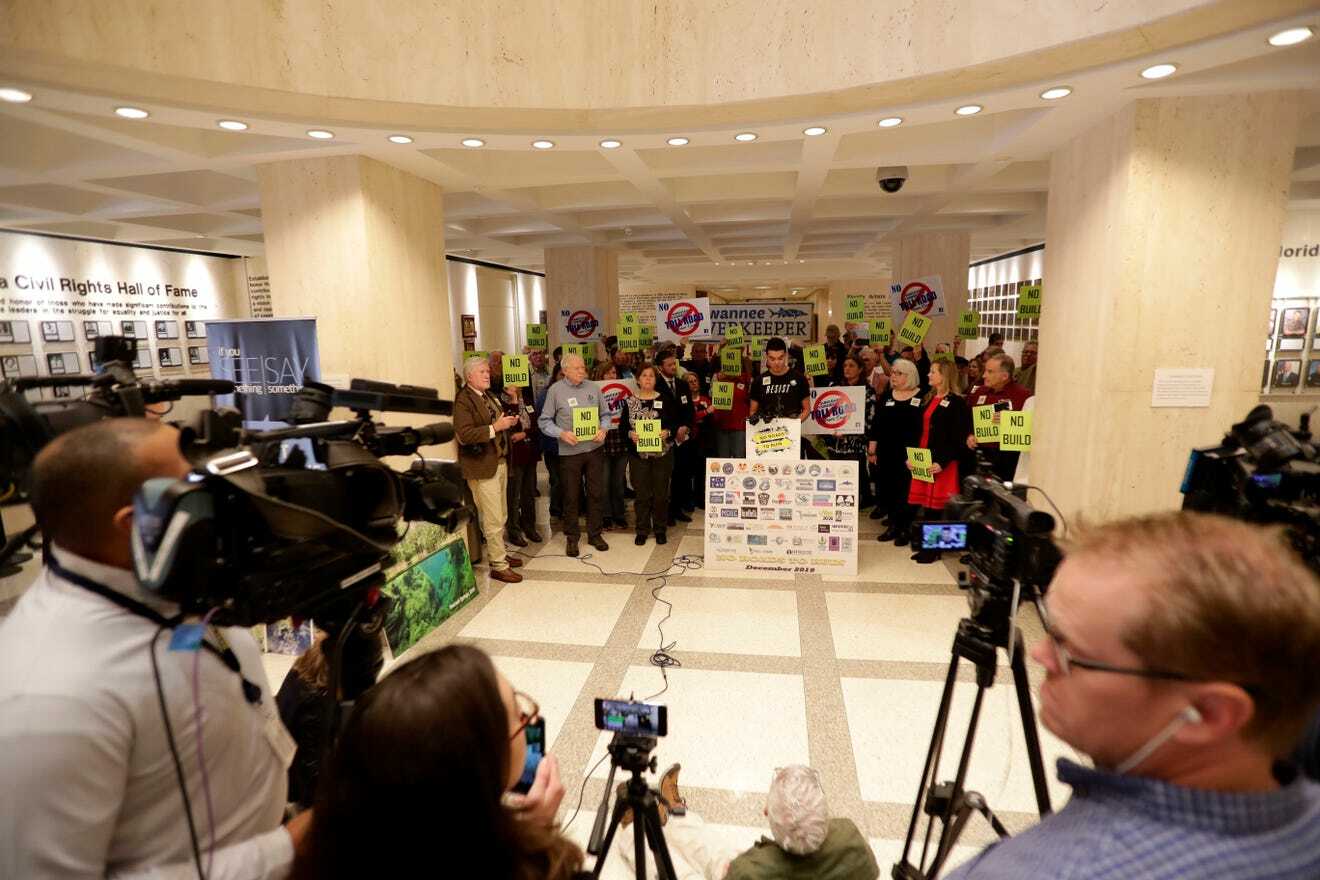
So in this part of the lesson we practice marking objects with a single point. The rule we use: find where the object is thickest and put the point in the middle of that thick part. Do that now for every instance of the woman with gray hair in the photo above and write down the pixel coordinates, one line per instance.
(480, 427)
(897, 426)
(806, 841)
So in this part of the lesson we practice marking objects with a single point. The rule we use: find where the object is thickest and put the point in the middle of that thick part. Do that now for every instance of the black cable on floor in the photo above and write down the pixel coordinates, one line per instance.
(582, 792)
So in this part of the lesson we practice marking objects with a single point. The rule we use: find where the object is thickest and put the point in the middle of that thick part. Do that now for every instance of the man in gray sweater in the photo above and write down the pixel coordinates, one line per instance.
(580, 452)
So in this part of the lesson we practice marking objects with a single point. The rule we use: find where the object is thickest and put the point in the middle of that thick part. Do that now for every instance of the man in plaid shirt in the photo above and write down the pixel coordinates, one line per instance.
(1183, 656)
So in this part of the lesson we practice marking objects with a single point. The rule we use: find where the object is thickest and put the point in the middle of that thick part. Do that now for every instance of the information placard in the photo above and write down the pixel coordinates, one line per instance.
(840, 410)
(682, 319)
(538, 337)
(584, 350)
(721, 394)
(855, 310)
(579, 323)
(789, 515)
(923, 296)
(983, 424)
(733, 335)
(922, 465)
(813, 360)
(648, 436)
(969, 324)
(586, 422)
(630, 337)
(881, 328)
(516, 370)
(1029, 297)
(774, 439)
(914, 329)
(731, 358)
(1015, 431)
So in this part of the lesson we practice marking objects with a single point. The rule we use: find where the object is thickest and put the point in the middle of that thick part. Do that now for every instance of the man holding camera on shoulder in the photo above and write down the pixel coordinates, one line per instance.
(124, 747)
(1181, 657)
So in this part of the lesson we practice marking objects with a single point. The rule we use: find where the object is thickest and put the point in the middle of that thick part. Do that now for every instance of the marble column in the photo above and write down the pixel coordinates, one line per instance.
(581, 276)
(360, 245)
(1162, 239)
(945, 254)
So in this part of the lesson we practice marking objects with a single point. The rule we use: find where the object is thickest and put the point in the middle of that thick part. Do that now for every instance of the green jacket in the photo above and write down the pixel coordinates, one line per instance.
(844, 855)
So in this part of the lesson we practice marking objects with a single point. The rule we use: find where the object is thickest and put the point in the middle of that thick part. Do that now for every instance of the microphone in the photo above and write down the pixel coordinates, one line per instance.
(173, 389)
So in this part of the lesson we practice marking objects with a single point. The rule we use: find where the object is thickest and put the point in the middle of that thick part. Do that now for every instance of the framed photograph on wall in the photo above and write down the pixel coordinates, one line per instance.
(14, 332)
(1287, 372)
(469, 323)
(170, 357)
(1288, 344)
(167, 329)
(1294, 322)
(133, 329)
(197, 354)
(1313, 373)
(194, 329)
(57, 331)
(93, 330)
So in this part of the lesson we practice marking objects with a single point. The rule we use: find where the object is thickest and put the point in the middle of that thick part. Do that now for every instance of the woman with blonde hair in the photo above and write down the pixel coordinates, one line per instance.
(946, 423)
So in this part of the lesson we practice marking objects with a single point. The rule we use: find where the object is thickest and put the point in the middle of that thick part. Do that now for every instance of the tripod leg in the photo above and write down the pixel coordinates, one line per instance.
(931, 768)
(664, 865)
(615, 818)
(639, 843)
(956, 813)
(1029, 732)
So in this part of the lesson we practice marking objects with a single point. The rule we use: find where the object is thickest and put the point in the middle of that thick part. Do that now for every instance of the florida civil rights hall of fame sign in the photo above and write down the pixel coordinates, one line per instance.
(787, 515)
(679, 320)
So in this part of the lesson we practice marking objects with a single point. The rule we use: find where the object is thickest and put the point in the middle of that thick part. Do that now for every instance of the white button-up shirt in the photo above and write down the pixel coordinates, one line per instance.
(87, 784)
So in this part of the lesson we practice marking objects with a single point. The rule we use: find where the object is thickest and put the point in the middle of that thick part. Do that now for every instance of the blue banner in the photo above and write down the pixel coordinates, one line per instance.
(268, 359)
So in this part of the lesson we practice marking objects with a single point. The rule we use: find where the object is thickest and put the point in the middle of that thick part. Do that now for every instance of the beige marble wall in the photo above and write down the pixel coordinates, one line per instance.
(584, 275)
(1163, 234)
(945, 254)
(360, 245)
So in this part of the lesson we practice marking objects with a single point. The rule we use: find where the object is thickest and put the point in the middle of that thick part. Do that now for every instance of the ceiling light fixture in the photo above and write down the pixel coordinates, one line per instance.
(1056, 93)
(232, 125)
(15, 96)
(132, 112)
(745, 136)
(815, 131)
(320, 134)
(400, 139)
(1159, 71)
(677, 142)
(1292, 36)
(969, 110)
(801, 261)
(610, 144)
(543, 144)
(890, 121)
(473, 142)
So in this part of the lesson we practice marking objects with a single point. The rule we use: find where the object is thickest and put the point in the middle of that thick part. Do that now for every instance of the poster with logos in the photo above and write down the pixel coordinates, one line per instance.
(680, 320)
(794, 516)
(836, 410)
(924, 296)
(580, 324)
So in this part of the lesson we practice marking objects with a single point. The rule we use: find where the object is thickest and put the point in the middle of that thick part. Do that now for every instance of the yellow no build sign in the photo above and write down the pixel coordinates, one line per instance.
(1015, 432)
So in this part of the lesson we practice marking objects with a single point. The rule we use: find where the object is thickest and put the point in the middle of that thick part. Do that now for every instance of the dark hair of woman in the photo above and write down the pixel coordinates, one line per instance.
(418, 774)
(861, 367)
(652, 367)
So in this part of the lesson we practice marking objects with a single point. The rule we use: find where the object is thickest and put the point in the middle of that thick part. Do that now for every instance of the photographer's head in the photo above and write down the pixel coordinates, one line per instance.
(443, 732)
(1182, 647)
(83, 483)
(799, 816)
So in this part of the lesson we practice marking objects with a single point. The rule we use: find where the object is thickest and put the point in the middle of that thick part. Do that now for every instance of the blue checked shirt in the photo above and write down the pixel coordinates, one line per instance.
(1132, 828)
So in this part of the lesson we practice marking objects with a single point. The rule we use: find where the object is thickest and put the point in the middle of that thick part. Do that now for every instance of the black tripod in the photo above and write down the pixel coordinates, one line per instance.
(949, 802)
(632, 753)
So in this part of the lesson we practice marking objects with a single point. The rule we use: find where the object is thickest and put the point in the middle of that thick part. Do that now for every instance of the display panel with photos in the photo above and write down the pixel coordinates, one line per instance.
(93, 330)
(167, 329)
(15, 365)
(1289, 344)
(16, 332)
(133, 329)
(194, 329)
(1313, 373)
(142, 359)
(171, 357)
(1294, 322)
(57, 331)
(62, 363)
(197, 354)
(1287, 373)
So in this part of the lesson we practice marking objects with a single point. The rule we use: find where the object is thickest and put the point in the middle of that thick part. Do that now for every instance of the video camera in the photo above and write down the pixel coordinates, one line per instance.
(297, 521)
(1262, 472)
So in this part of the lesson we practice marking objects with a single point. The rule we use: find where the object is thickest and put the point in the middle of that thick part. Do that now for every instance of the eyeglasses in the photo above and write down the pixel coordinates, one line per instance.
(528, 711)
(1067, 660)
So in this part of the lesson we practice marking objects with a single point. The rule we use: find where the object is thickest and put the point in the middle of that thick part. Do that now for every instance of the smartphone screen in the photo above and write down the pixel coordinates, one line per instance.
(1001, 405)
(944, 536)
(535, 733)
(633, 719)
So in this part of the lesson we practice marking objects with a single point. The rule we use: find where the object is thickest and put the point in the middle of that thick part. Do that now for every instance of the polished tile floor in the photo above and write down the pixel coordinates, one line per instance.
(844, 674)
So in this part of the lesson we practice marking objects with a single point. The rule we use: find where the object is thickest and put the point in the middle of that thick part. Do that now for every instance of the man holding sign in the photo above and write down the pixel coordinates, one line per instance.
(575, 412)
(998, 391)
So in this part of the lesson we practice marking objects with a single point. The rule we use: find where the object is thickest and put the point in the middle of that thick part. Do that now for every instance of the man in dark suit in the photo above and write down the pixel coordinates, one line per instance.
(675, 395)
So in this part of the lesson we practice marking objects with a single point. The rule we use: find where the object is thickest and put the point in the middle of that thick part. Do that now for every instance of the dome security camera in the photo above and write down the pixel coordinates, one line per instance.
(892, 177)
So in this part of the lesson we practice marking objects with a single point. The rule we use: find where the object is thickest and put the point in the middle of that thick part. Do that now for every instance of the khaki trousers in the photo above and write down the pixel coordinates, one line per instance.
(490, 497)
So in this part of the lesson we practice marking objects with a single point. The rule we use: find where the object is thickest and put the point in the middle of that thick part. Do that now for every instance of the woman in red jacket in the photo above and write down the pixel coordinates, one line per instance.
(946, 422)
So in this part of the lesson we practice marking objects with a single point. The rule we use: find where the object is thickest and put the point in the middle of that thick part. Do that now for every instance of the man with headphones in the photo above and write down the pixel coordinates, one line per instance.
(128, 746)
(1181, 656)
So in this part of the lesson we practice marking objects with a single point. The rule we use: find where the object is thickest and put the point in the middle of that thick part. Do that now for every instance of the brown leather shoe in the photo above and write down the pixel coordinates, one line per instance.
(669, 792)
(514, 561)
(508, 575)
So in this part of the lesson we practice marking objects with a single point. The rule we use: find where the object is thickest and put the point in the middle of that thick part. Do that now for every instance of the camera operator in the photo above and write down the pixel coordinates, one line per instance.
(99, 717)
(1181, 657)
(393, 784)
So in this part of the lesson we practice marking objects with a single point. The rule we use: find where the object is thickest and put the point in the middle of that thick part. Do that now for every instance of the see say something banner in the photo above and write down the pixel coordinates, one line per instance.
(268, 359)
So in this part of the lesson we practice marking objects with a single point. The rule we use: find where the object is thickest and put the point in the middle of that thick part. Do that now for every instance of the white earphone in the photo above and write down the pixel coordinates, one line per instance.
(1190, 715)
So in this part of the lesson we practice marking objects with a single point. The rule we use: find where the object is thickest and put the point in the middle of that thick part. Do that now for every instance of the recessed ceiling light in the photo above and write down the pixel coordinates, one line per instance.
(815, 131)
(543, 144)
(751, 264)
(132, 112)
(677, 142)
(320, 134)
(473, 142)
(1056, 93)
(1292, 36)
(890, 121)
(1159, 71)
(232, 125)
(969, 110)
(610, 144)
(15, 96)
(400, 139)
(745, 136)
(801, 261)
